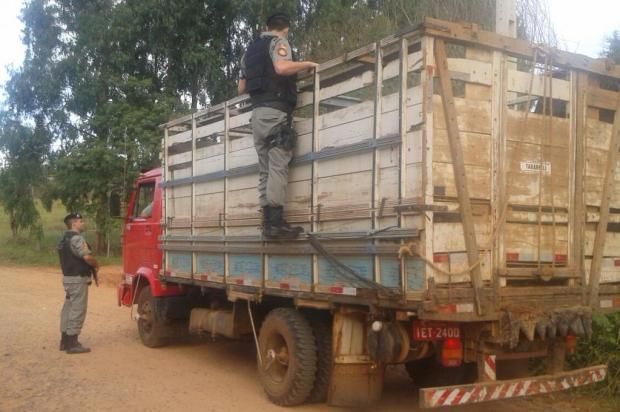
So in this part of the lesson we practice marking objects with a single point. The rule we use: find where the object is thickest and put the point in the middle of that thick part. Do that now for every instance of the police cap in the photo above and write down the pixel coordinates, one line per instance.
(72, 215)
(278, 20)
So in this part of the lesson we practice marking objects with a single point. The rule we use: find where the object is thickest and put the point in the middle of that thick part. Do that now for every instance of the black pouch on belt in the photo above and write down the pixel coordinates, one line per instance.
(285, 137)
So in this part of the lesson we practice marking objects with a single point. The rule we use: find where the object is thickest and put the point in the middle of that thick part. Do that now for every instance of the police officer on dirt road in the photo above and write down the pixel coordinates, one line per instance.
(269, 75)
(77, 264)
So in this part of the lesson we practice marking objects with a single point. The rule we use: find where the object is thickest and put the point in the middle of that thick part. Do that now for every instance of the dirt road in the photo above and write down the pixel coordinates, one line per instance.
(120, 373)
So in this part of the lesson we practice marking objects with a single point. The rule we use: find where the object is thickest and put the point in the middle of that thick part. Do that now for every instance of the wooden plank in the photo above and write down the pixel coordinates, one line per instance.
(520, 82)
(209, 151)
(597, 133)
(498, 177)
(476, 148)
(316, 144)
(473, 253)
(210, 165)
(533, 130)
(364, 112)
(378, 75)
(214, 186)
(470, 71)
(193, 185)
(185, 136)
(606, 195)
(402, 117)
(364, 79)
(165, 175)
(601, 98)
(446, 185)
(428, 47)
(475, 115)
(225, 198)
(473, 35)
(210, 129)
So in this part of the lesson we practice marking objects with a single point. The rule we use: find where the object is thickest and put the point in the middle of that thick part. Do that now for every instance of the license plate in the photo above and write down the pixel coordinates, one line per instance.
(425, 330)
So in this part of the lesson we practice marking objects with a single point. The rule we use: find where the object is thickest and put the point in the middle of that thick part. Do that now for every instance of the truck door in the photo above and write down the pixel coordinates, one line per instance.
(142, 229)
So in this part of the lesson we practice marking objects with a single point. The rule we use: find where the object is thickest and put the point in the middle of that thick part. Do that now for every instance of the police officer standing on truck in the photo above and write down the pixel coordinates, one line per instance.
(269, 75)
(77, 264)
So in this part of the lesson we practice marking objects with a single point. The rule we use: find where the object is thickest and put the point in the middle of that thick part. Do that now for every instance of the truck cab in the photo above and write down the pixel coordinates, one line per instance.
(142, 254)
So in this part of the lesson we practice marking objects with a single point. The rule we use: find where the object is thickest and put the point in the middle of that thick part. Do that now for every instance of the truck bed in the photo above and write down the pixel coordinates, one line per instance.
(476, 175)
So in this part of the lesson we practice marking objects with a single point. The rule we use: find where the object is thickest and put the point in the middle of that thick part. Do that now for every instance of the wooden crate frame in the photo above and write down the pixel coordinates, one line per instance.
(441, 70)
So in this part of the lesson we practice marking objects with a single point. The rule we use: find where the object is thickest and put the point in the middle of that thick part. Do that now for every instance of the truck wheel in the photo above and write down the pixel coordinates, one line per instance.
(150, 327)
(289, 357)
(428, 373)
(322, 330)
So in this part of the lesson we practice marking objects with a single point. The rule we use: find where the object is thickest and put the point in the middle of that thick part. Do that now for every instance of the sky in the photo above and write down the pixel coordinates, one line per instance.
(581, 27)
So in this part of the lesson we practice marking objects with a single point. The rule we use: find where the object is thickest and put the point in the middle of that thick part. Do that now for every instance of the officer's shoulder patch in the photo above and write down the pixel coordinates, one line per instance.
(282, 51)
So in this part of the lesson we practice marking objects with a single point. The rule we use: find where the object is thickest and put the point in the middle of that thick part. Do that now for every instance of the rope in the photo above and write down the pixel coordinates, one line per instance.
(258, 352)
(348, 274)
(409, 249)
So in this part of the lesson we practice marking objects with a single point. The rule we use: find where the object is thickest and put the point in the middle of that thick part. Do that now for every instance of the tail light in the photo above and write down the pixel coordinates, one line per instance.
(452, 352)
(571, 344)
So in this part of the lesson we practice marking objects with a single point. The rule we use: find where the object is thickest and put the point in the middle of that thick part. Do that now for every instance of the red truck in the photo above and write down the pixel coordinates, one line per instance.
(161, 308)
(449, 226)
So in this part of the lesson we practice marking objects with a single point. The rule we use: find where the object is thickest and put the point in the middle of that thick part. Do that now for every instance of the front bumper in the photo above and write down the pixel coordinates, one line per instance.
(515, 388)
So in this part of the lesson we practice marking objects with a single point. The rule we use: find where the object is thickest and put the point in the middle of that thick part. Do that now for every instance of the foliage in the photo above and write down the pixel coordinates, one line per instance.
(42, 252)
(603, 348)
(612, 47)
(24, 150)
(100, 75)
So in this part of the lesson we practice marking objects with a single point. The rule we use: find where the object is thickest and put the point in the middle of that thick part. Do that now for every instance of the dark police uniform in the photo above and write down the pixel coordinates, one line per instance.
(76, 278)
(273, 100)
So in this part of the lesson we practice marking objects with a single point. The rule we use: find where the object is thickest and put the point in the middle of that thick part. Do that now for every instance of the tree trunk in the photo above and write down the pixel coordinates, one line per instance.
(14, 225)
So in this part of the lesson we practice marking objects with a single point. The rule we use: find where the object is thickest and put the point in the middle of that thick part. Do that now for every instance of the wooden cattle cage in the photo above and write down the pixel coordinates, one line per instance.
(454, 166)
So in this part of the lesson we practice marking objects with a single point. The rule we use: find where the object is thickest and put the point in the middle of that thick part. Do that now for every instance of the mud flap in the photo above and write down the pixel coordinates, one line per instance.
(356, 380)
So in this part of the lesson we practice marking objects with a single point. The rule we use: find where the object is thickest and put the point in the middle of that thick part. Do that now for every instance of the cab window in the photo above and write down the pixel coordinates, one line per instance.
(143, 207)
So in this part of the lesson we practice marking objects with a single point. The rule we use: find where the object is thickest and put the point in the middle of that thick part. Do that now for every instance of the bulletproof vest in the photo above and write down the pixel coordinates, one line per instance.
(71, 265)
(266, 87)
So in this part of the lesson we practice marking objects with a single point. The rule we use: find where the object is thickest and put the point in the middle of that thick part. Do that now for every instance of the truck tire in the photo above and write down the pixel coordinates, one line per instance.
(150, 327)
(322, 330)
(428, 373)
(289, 358)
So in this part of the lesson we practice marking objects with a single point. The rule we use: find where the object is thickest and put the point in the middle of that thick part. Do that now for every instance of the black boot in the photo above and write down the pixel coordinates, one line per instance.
(278, 227)
(63, 341)
(73, 346)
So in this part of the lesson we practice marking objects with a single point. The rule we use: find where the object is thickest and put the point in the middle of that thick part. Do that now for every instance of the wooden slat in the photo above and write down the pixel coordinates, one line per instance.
(377, 125)
(460, 177)
(427, 151)
(193, 185)
(498, 150)
(522, 82)
(578, 117)
(402, 117)
(606, 195)
(473, 35)
(602, 99)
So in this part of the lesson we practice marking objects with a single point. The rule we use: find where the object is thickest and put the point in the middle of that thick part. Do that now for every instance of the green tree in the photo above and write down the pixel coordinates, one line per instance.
(612, 47)
(102, 74)
(24, 151)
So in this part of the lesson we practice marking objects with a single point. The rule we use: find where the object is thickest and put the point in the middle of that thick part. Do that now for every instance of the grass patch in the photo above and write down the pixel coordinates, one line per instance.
(603, 348)
(27, 250)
